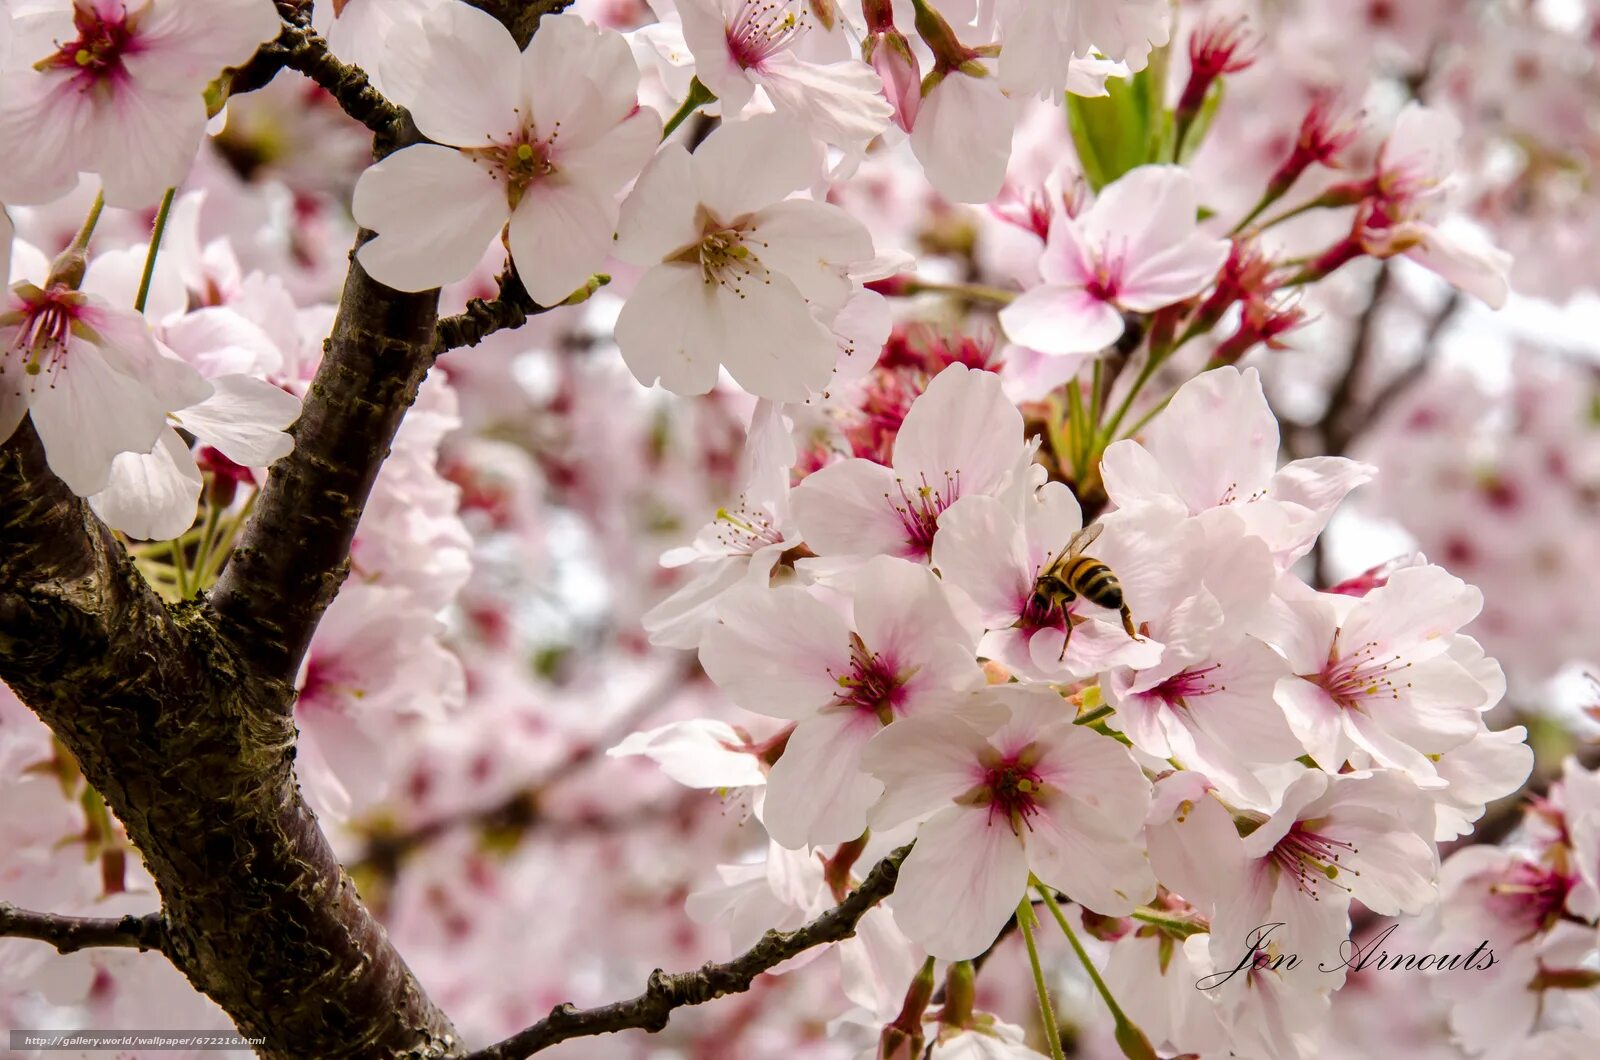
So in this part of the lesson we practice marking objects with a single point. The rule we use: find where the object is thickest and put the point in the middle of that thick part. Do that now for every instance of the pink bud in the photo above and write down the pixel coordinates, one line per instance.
(1217, 47)
(891, 56)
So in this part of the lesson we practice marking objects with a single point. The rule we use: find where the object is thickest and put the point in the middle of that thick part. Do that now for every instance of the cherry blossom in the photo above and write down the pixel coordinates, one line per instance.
(960, 438)
(738, 274)
(740, 45)
(1014, 787)
(1138, 248)
(785, 652)
(541, 140)
(116, 88)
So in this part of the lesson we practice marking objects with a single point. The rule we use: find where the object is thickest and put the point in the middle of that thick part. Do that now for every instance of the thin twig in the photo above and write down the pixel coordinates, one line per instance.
(666, 992)
(69, 934)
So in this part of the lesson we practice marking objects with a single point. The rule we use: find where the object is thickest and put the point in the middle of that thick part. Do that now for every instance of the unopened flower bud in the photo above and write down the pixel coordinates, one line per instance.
(891, 56)
(1217, 47)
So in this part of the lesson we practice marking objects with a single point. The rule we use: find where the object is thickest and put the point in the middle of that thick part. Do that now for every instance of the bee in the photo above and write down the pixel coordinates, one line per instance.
(1071, 575)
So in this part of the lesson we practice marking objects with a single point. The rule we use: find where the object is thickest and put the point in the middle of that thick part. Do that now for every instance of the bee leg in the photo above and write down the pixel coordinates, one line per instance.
(1127, 623)
(1066, 638)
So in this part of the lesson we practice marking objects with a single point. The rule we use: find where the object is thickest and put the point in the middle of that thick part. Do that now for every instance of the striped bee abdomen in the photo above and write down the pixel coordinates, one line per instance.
(1094, 581)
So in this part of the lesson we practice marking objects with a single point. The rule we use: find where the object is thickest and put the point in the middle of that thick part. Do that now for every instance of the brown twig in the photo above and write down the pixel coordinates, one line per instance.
(665, 992)
(69, 934)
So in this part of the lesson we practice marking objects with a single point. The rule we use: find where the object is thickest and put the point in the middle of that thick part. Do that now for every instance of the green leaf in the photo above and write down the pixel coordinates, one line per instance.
(1126, 128)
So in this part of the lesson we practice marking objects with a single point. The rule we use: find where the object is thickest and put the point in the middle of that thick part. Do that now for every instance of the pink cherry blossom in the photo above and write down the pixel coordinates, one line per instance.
(786, 653)
(1014, 787)
(542, 140)
(738, 274)
(960, 438)
(116, 88)
(1137, 248)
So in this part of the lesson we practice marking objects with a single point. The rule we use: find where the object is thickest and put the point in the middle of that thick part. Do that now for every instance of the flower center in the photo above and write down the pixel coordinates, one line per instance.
(1311, 859)
(919, 509)
(1176, 690)
(762, 28)
(746, 530)
(1010, 786)
(726, 257)
(871, 684)
(1362, 674)
(96, 55)
(520, 160)
(45, 321)
(1530, 896)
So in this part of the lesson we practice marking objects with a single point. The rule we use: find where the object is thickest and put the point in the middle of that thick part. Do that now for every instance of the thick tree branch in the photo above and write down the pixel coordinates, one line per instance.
(295, 552)
(69, 934)
(192, 750)
(511, 308)
(666, 992)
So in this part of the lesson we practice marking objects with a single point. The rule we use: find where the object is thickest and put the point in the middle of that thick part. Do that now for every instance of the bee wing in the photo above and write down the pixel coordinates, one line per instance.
(1083, 539)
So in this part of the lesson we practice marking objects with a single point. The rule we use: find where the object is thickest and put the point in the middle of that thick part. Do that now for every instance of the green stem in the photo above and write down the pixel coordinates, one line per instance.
(1079, 430)
(80, 242)
(155, 248)
(180, 570)
(1047, 1012)
(975, 291)
(219, 555)
(699, 95)
(208, 542)
(1128, 1035)
(1105, 710)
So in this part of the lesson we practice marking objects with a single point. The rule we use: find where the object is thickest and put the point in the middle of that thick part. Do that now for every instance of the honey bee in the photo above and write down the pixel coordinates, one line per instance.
(1071, 575)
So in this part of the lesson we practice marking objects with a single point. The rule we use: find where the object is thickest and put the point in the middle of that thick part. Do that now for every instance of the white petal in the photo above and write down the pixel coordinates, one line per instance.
(560, 236)
(667, 330)
(817, 793)
(924, 763)
(435, 212)
(245, 419)
(963, 425)
(769, 341)
(88, 415)
(459, 73)
(843, 510)
(658, 217)
(1061, 320)
(774, 651)
(961, 883)
(580, 76)
(812, 243)
(963, 137)
(748, 164)
(151, 496)
(143, 142)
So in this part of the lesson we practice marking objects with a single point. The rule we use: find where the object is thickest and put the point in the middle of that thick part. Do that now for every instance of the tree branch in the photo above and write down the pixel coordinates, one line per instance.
(666, 992)
(300, 48)
(69, 934)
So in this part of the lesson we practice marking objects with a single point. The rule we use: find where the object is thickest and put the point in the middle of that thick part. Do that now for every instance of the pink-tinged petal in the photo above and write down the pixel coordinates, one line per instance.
(961, 883)
(53, 119)
(775, 651)
(151, 496)
(1099, 775)
(679, 620)
(560, 235)
(1416, 613)
(963, 426)
(979, 550)
(7, 233)
(1467, 263)
(1142, 214)
(769, 340)
(705, 34)
(1061, 320)
(750, 164)
(457, 71)
(580, 77)
(843, 510)
(195, 41)
(925, 762)
(666, 330)
(142, 142)
(875, 967)
(1218, 440)
(903, 614)
(608, 162)
(1368, 734)
(1067, 260)
(839, 103)
(435, 211)
(812, 243)
(695, 753)
(817, 793)
(1174, 274)
(1436, 711)
(658, 217)
(126, 343)
(90, 414)
(1316, 720)
(1100, 869)
(1194, 846)
(963, 137)
(245, 419)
